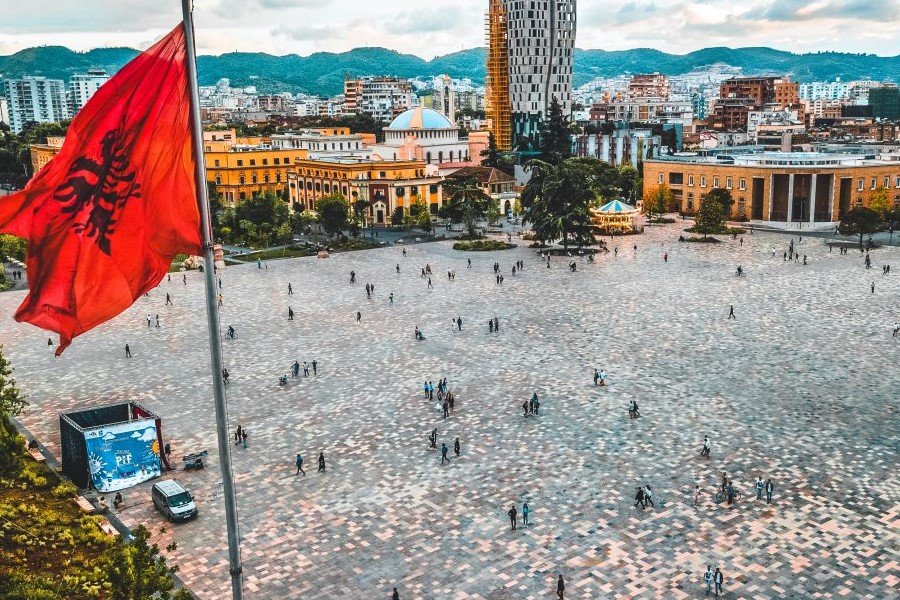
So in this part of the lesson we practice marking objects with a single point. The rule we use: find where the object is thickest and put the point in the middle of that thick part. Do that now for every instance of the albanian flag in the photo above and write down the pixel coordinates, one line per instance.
(106, 216)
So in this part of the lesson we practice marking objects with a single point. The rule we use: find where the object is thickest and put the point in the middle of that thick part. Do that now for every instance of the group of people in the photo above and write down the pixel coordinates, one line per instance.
(532, 407)
(644, 497)
(298, 462)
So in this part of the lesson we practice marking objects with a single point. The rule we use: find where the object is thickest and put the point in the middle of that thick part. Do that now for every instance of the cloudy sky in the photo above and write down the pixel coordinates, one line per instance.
(442, 26)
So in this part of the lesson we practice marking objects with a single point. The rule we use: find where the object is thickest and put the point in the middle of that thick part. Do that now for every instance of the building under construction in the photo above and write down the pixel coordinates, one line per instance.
(496, 101)
(529, 63)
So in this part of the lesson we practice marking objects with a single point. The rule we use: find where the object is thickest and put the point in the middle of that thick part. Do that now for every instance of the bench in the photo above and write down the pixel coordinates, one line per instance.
(85, 505)
(108, 528)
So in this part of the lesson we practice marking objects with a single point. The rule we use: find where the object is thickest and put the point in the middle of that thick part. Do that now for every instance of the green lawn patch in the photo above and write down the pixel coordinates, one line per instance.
(482, 245)
(703, 240)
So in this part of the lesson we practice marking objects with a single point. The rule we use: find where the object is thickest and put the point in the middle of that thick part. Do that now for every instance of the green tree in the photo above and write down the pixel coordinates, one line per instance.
(656, 201)
(555, 141)
(711, 216)
(629, 182)
(861, 221)
(467, 202)
(11, 404)
(333, 213)
(138, 570)
(557, 201)
(12, 247)
(423, 220)
(881, 202)
(491, 156)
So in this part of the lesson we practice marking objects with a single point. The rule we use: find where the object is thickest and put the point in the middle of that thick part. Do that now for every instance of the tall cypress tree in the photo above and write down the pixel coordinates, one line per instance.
(491, 156)
(555, 145)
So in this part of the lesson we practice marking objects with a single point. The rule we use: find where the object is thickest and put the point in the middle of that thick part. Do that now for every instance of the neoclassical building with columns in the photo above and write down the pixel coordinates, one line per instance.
(778, 187)
(423, 134)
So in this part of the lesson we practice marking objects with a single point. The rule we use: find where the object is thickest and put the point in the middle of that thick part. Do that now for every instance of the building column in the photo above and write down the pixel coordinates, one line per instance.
(812, 199)
(790, 206)
(771, 194)
(835, 181)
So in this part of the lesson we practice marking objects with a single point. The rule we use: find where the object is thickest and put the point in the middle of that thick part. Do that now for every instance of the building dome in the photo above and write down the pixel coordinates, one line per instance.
(421, 118)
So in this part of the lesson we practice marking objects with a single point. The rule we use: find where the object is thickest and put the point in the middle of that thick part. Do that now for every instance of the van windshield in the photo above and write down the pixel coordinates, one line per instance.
(179, 499)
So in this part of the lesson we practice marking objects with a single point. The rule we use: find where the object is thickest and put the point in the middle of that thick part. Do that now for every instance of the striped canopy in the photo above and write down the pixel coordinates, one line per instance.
(616, 206)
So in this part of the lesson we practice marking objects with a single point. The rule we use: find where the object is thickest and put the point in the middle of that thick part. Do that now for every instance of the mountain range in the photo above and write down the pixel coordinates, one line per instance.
(322, 73)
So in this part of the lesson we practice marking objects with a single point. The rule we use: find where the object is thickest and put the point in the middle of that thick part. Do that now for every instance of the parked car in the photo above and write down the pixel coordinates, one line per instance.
(173, 501)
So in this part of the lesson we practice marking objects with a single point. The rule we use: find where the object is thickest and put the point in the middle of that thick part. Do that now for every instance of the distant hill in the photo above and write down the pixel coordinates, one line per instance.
(323, 72)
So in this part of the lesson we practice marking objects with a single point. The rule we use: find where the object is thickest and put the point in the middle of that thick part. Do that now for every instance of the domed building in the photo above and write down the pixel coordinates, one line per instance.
(422, 134)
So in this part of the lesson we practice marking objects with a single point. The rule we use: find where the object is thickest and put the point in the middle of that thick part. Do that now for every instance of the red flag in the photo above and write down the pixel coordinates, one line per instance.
(106, 216)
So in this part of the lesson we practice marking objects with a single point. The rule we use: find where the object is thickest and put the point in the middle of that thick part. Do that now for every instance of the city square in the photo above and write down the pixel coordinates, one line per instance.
(799, 387)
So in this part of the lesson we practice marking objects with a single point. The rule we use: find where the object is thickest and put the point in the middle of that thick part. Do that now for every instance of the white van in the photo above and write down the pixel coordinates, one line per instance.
(173, 501)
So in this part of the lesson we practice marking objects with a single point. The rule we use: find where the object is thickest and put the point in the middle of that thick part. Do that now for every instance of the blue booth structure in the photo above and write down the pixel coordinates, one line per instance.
(111, 447)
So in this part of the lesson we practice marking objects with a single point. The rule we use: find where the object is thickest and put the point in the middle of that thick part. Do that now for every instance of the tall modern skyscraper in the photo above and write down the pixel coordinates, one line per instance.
(35, 99)
(529, 63)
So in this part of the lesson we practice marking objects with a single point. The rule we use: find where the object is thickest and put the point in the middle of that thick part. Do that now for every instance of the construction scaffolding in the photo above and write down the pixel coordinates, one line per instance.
(497, 104)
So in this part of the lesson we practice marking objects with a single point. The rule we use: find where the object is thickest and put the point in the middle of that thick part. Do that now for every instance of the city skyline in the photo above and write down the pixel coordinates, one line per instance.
(303, 27)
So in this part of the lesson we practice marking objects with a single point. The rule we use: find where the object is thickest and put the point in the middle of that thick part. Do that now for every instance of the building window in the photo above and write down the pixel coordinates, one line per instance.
(265, 178)
(716, 182)
(242, 180)
(676, 178)
(400, 192)
(860, 185)
(742, 184)
(690, 203)
(216, 162)
(887, 182)
(253, 178)
(433, 189)
(277, 160)
(690, 180)
(265, 161)
(278, 177)
(897, 181)
(242, 195)
(728, 183)
(659, 178)
(414, 191)
(702, 181)
(874, 183)
(218, 180)
(381, 174)
(240, 163)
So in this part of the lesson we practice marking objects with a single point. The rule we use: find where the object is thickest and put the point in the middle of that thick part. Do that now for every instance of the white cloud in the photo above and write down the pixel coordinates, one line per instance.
(444, 26)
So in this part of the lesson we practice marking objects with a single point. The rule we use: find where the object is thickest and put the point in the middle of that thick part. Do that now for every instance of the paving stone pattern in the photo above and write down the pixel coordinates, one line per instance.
(801, 387)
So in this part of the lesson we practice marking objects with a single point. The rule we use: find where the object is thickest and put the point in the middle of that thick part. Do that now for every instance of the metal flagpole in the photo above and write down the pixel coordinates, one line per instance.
(212, 311)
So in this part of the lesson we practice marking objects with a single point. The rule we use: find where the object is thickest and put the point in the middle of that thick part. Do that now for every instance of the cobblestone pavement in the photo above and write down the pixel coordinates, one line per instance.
(801, 387)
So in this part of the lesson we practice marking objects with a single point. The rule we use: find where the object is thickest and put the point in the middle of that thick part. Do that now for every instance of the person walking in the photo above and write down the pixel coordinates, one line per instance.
(459, 323)
(456, 447)
(513, 513)
(596, 376)
(358, 316)
(433, 438)
(731, 313)
(719, 579)
(395, 595)
(648, 496)
(444, 450)
(237, 435)
(244, 438)
(491, 325)
(290, 290)
(299, 462)
(149, 321)
(225, 375)
(169, 300)
(760, 486)
(290, 314)
(446, 408)
(697, 495)
(321, 462)
(525, 511)
(295, 369)
(315, 367)
(639, 498)
(127, 351)
(525, 406)
(770, 487)
(873, 287)
(708, 577)
(706, 446)
(560, 588)
(157, 321)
